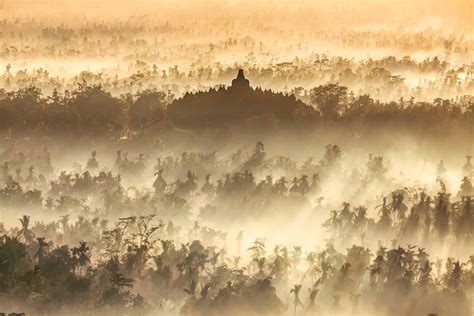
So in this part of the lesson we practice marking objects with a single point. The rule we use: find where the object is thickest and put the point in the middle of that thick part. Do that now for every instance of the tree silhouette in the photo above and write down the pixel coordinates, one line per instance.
(296, 301)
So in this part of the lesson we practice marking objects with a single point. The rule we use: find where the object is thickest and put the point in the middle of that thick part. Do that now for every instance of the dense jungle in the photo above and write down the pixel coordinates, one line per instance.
(237, 157)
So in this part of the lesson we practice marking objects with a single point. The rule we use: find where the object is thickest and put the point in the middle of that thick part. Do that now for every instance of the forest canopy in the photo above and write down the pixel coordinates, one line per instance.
(92, 110)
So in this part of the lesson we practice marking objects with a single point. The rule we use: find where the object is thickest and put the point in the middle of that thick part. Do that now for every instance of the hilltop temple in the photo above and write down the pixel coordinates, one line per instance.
(236, 103)
(240, 82)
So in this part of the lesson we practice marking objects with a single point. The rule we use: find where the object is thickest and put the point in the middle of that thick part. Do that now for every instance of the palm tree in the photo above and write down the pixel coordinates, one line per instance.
(120, 281)
(41, 252)
(191, 290)
(296, 291)
(313, 293)
(82, 255)
(25, 231)
(261, 266)
(354, 297)
(64, 223)
(159, 184)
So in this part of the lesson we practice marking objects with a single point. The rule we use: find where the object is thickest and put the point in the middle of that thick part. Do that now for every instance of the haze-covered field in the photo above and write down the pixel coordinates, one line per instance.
(236, 157)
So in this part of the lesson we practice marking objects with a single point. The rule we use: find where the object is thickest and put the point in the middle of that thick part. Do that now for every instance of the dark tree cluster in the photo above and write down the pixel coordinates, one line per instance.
(86, 110)
(91, 110)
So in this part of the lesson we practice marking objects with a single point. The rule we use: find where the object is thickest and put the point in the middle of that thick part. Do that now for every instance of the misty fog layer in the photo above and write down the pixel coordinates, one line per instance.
(236, 157)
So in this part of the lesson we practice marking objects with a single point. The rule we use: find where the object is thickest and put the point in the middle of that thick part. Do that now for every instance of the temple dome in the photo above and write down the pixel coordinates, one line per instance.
(240, 82)
(237, 104)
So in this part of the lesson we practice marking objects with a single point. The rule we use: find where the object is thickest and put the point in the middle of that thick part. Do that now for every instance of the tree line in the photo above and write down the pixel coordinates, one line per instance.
(94, 111)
